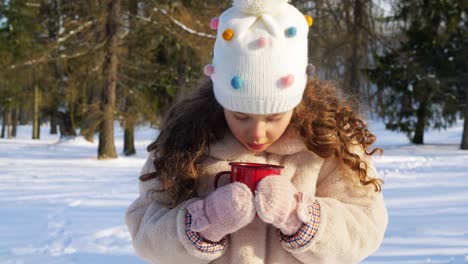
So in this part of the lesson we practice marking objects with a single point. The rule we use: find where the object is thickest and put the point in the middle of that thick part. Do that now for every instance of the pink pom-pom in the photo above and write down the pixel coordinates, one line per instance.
(287, 81)
(214, 23)
(208, 70)
(262, 42)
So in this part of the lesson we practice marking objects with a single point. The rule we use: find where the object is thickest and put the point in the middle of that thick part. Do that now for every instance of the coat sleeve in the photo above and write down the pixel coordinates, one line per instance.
(352, 219)
(163, 235)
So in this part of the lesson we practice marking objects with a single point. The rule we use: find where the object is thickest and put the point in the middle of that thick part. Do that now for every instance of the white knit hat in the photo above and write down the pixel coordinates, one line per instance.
(260, 56)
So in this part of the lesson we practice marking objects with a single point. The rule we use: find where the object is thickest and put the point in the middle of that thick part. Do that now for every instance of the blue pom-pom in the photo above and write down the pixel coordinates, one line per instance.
(236, 82)
(291, 32)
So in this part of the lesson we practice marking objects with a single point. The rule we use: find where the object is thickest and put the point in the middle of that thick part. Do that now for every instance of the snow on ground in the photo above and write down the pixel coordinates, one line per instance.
(59, 204)
(427, 197)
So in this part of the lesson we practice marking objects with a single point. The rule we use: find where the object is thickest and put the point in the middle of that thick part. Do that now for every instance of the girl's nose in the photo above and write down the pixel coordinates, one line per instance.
(258, 132)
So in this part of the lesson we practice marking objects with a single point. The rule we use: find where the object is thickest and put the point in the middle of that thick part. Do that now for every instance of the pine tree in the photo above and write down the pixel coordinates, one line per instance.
(452, 64)
(22, 38)
(409, 85)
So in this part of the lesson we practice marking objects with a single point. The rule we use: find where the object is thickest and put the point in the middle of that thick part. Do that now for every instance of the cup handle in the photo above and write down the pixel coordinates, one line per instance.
(217, 177)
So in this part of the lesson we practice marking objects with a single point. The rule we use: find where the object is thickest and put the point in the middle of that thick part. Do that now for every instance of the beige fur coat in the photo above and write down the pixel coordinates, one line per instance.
(352, 219)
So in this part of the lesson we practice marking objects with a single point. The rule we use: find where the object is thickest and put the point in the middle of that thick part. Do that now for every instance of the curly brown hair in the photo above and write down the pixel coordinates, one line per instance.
(328, 126)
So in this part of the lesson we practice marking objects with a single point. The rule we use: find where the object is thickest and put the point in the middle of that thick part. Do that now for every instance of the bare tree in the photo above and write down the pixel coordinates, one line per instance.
(106, 148)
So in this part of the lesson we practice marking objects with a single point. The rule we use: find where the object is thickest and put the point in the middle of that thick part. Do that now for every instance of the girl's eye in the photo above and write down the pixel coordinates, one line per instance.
(274, 119)
(243, 118)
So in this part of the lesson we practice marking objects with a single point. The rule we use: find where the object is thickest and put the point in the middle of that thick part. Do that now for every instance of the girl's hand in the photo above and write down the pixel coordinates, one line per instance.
(224, 211)
(278, 203)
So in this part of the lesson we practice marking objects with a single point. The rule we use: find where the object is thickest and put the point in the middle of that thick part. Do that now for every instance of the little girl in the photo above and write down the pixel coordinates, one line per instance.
(259, 106)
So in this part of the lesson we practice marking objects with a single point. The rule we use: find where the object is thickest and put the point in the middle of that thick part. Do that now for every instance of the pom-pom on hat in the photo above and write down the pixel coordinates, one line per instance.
(260, 57)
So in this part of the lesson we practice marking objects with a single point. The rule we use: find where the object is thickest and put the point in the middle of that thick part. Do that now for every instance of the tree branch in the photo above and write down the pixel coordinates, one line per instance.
(47, 58)
(184, 27)
(76, 31)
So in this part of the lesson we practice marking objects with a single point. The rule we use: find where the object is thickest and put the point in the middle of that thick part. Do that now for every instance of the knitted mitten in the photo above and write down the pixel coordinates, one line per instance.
(224, 211)
(278, 203)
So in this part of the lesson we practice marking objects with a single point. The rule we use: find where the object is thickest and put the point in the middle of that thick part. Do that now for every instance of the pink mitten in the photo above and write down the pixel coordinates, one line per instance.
(278, 203)
(224, 211)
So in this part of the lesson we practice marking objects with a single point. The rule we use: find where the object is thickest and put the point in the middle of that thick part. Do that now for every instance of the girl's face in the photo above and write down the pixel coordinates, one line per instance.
(257, 132)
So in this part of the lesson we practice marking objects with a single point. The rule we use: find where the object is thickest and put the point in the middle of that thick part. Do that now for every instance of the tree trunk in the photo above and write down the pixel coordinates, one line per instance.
(8, 122)
(356, 43)
(129, 115)
(7, 125)
(2, 135)
(421, 116)
(36, 122)
(352, 68)
(53, 123)
(6, 128)
(14, 121)
(65, 124)
(71, 112)
(464, 143)
(23, 117)
(106, 147)
(129, 139)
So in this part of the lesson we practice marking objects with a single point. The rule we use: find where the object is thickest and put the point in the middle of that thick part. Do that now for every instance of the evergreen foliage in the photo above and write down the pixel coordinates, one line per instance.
(56, 61)
(419, 76)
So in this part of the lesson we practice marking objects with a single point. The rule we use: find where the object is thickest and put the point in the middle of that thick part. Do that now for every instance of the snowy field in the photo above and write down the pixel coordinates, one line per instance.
(59, 204)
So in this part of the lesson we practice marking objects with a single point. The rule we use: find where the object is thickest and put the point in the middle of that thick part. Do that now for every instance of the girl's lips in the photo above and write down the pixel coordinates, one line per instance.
(256, 146)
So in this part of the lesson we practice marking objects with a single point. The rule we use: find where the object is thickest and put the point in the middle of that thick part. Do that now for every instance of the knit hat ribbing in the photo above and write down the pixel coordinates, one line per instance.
(260, 57)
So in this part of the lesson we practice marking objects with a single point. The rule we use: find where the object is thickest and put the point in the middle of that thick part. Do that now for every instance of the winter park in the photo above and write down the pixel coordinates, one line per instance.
(87, 87)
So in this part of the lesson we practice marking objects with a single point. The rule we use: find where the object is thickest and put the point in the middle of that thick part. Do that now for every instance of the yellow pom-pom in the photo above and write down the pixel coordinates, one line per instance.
(310, 20)
(228, 34)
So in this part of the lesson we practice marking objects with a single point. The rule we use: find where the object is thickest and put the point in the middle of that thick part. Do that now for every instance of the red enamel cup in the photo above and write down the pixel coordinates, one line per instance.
(249, 173)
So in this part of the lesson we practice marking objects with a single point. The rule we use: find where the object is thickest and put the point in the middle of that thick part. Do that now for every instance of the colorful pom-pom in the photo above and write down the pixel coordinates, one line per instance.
(291, 32)
(208, 70)
(214, 23)
(310, 20)
(237, 83)
(310, 69)
(262, 42)
(228, 34)
(287, 80)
